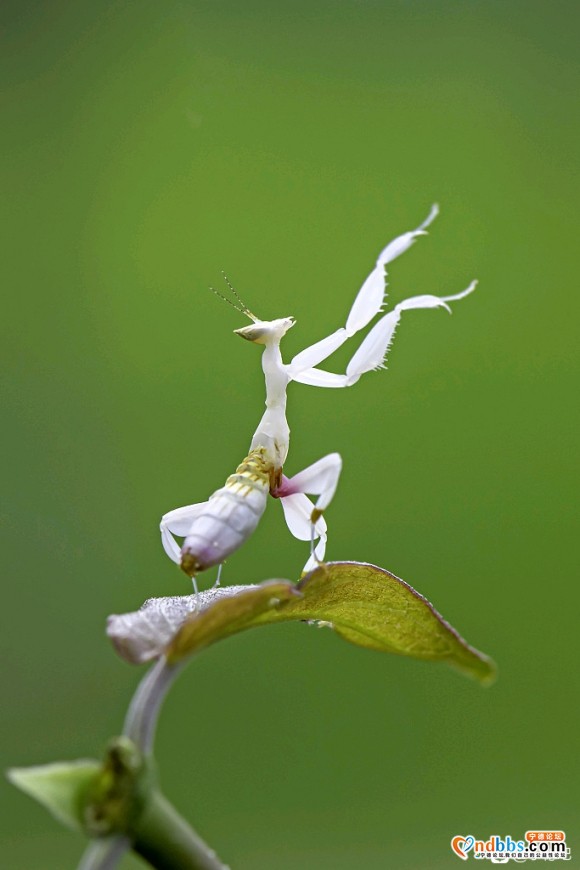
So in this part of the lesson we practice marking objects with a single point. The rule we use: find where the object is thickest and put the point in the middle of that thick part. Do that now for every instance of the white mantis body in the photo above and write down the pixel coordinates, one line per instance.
(216, 528)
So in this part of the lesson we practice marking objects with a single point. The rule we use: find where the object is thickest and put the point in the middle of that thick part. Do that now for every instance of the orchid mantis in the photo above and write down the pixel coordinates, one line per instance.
(216, 528)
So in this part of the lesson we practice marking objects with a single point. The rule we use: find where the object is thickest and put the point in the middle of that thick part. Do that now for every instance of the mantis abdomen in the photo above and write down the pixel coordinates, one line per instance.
(229, 516)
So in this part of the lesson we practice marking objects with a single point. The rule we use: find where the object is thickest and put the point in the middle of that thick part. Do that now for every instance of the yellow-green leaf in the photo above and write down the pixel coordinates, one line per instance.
(371, 607)
(61, 787)
(228, 615)
(364, 604)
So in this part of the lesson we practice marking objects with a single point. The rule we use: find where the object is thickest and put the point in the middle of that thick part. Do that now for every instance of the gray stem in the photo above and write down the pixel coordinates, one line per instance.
(158, 833)
(144, 709)
(105, 854)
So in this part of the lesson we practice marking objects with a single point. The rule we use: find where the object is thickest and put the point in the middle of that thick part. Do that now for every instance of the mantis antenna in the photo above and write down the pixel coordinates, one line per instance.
(242, 307)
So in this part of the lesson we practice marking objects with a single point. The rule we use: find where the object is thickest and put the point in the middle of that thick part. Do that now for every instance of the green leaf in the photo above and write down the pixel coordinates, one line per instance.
(61, 787)
(364, 604)
(371, 607)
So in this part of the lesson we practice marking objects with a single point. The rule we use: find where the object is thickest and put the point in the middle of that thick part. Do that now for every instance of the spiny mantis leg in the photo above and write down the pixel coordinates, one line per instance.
(367, 304)
(374, 347)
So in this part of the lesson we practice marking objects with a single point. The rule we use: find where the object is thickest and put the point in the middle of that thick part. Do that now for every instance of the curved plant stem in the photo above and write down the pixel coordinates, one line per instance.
(156, 831)
(105, 854)
(163, 838)
(143, 713)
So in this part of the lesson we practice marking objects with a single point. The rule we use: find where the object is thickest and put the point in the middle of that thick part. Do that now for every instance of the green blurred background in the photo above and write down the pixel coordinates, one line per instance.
(148, 145)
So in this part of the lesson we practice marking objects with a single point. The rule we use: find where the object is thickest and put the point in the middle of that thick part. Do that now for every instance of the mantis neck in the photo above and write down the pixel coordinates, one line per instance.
(276, 377)
(273, 433)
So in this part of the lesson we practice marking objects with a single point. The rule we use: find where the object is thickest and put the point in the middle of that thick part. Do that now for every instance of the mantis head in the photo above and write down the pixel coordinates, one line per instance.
(266, 331)
(261, 331)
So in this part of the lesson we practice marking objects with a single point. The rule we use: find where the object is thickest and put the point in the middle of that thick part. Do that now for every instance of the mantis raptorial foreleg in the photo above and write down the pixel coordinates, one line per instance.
(370, 356)
(367, 304)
